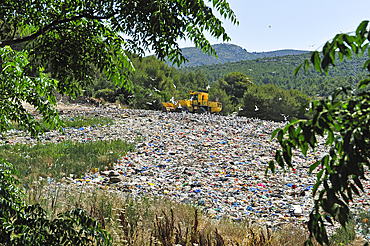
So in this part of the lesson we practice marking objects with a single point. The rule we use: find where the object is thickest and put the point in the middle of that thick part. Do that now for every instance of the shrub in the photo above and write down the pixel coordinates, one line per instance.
(107, 94)
(22, 224)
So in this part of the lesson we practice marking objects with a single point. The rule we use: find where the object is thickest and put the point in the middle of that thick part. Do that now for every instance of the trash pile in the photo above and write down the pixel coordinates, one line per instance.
(215, 162)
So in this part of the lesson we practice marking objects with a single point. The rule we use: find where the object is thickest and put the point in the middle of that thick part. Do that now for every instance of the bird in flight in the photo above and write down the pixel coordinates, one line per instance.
(256, 109)
(285, 116)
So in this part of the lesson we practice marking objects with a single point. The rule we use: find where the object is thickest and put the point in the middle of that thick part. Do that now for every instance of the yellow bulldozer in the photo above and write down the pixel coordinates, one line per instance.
(196, 103)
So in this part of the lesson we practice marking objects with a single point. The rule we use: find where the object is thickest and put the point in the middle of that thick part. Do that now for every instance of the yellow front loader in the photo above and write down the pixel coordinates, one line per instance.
(197, 103)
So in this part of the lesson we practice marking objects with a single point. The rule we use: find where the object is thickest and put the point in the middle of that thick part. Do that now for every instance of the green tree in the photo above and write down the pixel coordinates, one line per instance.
(345, 125)
(201, 80)
(235, 84)
(71, 40)
(71, 36)
(216, 94)
(230, 91)
(239, 94)
(22, 224)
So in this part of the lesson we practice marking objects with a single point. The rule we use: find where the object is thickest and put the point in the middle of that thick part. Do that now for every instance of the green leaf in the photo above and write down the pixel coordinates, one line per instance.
(326, 61)
(340, 54)
(345, 198)
(297, 70)
(317, 184)
(314, 166)
(364, 48)
(279, 159)
(325, 162)
(330, 138)
(271, 166)
(343, 215)
(292, 132)
(306, 65)
(274, 133)
(280, 136)
(361, 29)
(364, 83)
(287, 153)
(366, 65)
(316, 60)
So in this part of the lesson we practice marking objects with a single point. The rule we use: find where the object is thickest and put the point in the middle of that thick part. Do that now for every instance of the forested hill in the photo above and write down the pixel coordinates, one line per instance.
(280, 71)
(229, 53)
(279, 53)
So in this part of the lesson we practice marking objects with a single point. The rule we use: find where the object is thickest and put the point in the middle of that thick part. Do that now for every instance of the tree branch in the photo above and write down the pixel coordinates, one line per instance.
(50, 26)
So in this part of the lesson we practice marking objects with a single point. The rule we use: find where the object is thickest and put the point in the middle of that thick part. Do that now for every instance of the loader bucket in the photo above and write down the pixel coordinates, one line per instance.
(168, 106)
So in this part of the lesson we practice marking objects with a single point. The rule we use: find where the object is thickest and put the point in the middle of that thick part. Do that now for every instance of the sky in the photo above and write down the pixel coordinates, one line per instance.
(267, 25)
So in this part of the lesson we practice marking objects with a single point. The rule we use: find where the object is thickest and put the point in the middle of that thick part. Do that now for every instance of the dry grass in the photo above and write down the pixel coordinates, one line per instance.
(157, 221)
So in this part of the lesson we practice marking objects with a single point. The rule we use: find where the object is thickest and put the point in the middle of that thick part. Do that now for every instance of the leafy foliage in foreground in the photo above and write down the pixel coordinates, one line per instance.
(345, 124)
(23, 224)
(16, 86)
(68, 38)
(71, 37)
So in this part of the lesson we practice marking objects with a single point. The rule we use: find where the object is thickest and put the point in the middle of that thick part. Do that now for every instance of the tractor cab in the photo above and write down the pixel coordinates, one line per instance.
(199, 98)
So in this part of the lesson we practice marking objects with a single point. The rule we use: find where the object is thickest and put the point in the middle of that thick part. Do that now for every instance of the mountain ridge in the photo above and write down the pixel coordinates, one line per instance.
(229, 53)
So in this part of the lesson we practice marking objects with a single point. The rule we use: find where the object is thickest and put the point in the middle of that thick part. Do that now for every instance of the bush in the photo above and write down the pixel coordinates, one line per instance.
(364, 221)
(345, 235)
(107, 94)
(22, 224)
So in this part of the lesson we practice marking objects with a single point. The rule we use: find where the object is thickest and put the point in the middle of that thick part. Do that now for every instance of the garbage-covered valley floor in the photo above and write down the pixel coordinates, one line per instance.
(215, 162)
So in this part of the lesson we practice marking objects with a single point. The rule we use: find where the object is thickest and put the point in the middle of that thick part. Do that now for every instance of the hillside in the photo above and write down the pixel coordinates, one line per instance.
(229, 53)
(280, 71)
(279, 53)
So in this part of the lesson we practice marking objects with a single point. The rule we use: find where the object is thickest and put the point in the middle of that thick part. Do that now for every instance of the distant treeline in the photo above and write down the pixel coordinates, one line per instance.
(155, 82)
